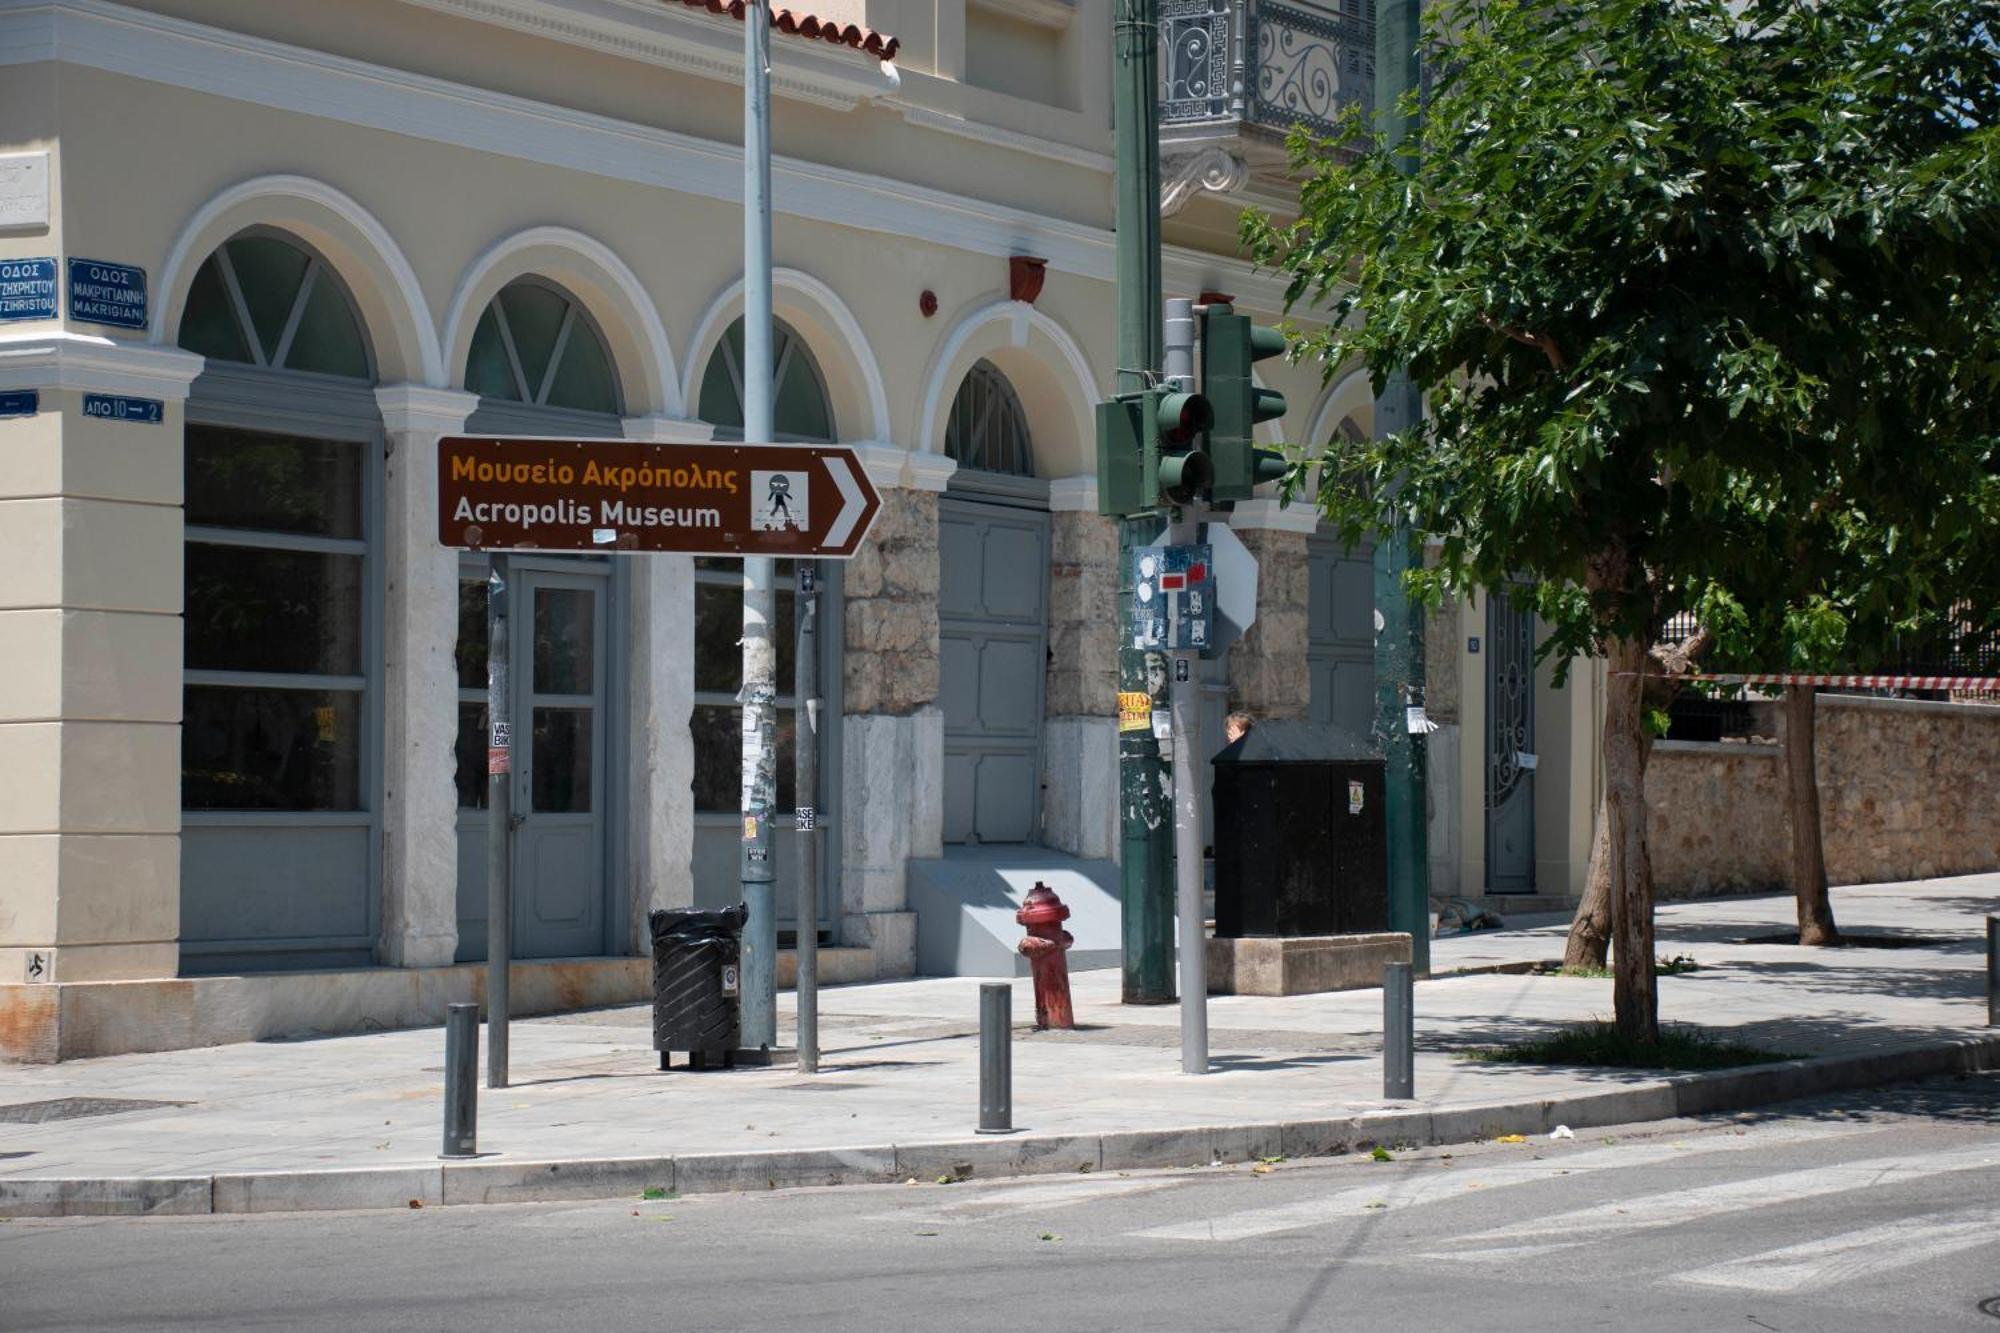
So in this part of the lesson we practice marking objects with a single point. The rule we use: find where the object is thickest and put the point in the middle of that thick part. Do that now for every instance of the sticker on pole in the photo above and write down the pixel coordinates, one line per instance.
(1135, 710)
(500, 748)
(1173, 597)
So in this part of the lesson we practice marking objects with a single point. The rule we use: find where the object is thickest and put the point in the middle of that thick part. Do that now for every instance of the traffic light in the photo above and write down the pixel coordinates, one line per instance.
(1149, 451)
(1230, 346)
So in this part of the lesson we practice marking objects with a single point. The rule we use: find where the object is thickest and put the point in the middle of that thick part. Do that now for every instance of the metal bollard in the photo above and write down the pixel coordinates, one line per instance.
(996, 1058)
(461, 1080)
(1993, 971)
(1399, 1033)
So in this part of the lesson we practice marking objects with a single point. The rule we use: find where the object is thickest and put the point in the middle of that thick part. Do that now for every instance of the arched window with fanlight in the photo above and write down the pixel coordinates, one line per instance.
(280, 739)
(541, 366)
(987, 430)
(801, 412)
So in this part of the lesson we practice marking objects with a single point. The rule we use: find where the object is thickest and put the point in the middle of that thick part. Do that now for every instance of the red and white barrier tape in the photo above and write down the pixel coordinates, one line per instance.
(1853, 682)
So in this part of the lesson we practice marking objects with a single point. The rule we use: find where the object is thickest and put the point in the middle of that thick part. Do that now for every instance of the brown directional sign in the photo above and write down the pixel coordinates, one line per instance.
(498, 493)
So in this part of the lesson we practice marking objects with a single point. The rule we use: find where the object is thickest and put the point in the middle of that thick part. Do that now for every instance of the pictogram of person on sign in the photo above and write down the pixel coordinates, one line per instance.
(780, 501)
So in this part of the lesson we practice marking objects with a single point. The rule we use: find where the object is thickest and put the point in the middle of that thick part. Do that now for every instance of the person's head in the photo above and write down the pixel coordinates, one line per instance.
(1237, 725)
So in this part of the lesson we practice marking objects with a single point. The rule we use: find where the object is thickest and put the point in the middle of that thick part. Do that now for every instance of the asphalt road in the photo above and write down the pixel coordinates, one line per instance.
(1868, 1212)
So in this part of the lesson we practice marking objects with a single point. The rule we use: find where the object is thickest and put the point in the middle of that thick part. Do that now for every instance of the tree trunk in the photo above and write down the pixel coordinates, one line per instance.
(1590, 933)
(1635, 991)
(1802, 799)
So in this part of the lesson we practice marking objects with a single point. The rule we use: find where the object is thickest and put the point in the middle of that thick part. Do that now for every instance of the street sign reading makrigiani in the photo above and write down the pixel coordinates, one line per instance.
(528, 494)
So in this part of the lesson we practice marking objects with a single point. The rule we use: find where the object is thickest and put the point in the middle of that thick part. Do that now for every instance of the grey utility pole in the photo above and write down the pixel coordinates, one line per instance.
(1184, 694)
(1147, 921)
(499, 819)
(760, 649)
(805, 692)
(1399, 640)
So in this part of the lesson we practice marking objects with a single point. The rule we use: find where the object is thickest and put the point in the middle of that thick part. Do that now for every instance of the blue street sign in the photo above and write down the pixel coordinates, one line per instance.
(101, 293)
(27, 289)
(20, 403)
(113, 408)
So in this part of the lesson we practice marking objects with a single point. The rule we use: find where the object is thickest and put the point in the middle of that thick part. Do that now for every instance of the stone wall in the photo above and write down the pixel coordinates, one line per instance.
(891, 591)
(1268, 676)
(1906, 792)
(1083, 596)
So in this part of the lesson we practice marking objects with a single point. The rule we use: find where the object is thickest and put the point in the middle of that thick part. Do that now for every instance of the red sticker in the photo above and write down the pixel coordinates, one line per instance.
(1172, 582)
(499, 760)
(1198, 573)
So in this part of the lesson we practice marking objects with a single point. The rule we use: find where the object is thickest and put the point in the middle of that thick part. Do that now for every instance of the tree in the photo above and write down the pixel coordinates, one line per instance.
(1708, 295)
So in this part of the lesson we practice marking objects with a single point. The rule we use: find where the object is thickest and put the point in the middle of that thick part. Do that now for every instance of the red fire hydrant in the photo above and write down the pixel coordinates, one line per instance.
(1047, 951)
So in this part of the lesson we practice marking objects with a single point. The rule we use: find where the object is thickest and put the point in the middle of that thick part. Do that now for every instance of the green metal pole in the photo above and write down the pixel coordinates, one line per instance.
(1399, 641)
(1144, 803)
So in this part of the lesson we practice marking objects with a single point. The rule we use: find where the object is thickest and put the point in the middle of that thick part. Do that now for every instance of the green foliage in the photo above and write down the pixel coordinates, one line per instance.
(1602, 1045)
(1708, 298)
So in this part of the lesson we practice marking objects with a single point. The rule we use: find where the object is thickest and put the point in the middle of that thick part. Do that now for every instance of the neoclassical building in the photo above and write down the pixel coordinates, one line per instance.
(245, 683)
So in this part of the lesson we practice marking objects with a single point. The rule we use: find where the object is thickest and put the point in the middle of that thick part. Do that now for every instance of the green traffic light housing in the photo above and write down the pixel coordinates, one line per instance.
(1230, 346)
(1182, 416)
(1149, 452)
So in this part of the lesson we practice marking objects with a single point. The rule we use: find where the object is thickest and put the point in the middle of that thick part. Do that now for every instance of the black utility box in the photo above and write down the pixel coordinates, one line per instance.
(1300, 839)
(697, 970)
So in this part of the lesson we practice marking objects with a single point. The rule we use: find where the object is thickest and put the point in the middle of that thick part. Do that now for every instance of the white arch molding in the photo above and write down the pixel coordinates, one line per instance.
(1351, 395)
(602, 283)
(831, 332)
(994, 330)
(350, 238)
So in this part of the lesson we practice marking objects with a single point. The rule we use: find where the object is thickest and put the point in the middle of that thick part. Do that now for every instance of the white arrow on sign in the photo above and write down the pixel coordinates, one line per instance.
(854, 503)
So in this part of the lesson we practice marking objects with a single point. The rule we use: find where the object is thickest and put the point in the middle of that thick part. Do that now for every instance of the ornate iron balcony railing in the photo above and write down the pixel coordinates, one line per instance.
(1270, 63)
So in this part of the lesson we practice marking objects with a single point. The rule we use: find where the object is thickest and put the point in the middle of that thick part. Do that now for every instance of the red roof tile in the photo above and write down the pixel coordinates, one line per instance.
(797, 23)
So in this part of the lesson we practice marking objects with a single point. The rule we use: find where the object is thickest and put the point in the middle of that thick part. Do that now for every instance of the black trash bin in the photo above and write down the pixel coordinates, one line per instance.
(696, 973)
(1301, 846)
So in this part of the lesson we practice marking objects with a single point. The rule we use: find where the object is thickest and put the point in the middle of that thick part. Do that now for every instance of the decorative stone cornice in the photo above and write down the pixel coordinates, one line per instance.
(57, 359)
(418, 408)
(928, 472)
(1070, 495)
(1263, 515)
(668, 430)
(1184, 175)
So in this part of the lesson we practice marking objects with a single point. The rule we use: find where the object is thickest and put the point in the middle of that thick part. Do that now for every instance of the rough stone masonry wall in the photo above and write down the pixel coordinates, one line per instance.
(1083, 599)
(1268, 676)
(891, 590)
(1906, 792)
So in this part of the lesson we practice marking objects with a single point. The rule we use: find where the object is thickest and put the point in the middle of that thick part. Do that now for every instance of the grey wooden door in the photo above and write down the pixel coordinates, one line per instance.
(1510, 746)
(561, 792)
(993, 642)
(1340, 635)
(560, 782)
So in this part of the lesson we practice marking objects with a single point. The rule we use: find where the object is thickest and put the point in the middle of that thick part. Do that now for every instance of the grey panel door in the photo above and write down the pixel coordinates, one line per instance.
(1510, 745)
(1340, 635)
(993, 641)
(561, 773)
(560, 783)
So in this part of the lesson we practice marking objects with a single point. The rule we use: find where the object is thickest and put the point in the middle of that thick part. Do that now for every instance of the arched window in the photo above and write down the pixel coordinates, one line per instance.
(800, 410)
(537, 347)
(988, 431)
(263, 300)
(281, 642)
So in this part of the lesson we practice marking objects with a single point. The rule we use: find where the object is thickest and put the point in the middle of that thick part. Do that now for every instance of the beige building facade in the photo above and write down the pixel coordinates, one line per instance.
(245, 689)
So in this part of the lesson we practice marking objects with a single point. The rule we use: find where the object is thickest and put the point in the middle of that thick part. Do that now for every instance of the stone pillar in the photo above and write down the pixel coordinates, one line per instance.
(90, 702)
(1080, 731)
(1268, 673)
(660, 813)
(419, 684)
(893, 762)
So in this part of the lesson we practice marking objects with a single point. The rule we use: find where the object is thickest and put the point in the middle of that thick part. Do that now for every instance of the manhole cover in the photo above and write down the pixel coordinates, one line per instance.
(74, 1108)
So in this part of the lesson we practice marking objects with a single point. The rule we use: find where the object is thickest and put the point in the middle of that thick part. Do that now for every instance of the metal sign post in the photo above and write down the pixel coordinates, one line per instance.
(499, 822)
(805, 687)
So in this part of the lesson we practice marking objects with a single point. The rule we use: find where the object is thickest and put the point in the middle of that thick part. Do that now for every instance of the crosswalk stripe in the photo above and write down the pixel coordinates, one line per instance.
(1455, 1182)
(1009, 1200)
(1647, 1212)
(1855, 1254)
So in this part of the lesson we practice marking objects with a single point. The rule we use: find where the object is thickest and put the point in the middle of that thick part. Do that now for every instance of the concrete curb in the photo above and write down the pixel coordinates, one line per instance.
(474, 1182)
